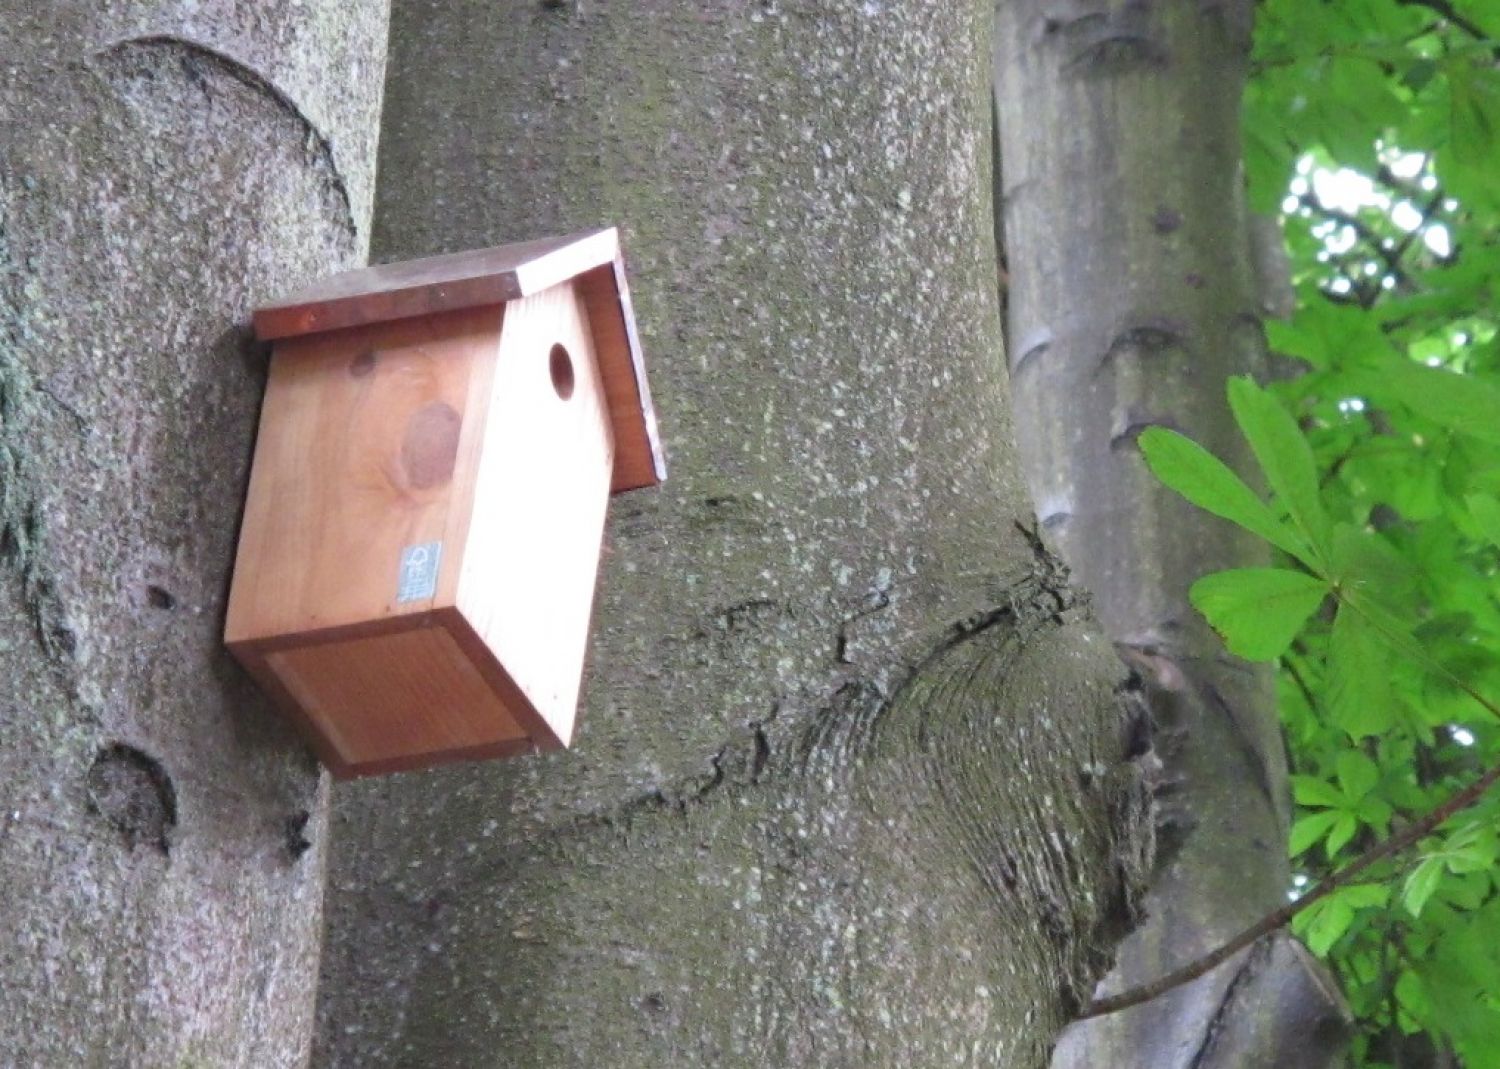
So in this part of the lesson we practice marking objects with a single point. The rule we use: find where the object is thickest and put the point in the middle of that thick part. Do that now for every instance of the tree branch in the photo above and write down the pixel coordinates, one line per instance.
(1445, 10)
(1389, 254)
(1401, 187)
(1428, 213)
(1279, 918)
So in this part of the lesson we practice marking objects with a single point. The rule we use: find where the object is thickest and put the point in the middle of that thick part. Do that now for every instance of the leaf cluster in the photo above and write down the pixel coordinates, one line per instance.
(1373, 128)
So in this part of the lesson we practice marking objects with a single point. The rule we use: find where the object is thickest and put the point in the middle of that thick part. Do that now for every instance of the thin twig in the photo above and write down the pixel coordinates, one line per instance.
(1272, 921)
(1296, 674)
(1402, 187)
(1373, 238)
(1449, 13)
(1396, 843)
(1428, 213)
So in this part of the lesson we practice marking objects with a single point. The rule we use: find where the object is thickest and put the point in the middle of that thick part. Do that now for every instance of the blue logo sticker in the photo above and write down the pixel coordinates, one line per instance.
(419, 571)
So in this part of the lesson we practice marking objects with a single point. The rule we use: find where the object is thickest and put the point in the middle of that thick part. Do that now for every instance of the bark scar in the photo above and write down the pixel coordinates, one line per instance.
(197, 60)
(1249, 966)
(133, 793)
(1252, 752)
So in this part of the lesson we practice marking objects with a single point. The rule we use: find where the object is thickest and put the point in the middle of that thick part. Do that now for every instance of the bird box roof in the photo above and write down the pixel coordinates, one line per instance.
(494, 276)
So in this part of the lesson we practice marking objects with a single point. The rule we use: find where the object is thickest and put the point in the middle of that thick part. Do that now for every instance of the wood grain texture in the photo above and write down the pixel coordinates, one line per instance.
(368, 443)
(425, 287)
(446, 664)
(406, 695)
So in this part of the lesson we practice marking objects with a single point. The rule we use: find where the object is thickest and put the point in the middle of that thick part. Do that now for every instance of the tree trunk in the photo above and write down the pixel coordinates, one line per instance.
(854, 784)
(1131, 300)
(162, 171)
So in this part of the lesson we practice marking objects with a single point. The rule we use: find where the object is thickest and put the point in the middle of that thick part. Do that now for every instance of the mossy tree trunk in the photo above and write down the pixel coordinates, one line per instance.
(163, 166)
(856, 780)
(1131, 300)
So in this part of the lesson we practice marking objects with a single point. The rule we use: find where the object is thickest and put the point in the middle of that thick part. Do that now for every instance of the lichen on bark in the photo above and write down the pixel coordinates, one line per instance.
(158, 180)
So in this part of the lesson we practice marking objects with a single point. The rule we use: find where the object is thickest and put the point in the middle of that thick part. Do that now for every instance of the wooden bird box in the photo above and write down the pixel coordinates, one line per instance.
(421, 539)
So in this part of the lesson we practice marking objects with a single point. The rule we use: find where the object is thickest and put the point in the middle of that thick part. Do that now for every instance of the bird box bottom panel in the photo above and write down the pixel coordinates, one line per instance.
(424, 691)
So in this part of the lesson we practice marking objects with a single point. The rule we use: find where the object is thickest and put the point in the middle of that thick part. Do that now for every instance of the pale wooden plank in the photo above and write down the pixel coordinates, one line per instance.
(531, 555)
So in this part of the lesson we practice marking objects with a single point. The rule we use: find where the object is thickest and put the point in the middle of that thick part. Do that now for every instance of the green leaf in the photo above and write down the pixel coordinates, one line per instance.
(1358, 678)
(1469, 891)
(1357, 99)
(1309, 790)
(1284, 456)
(1411, 993)
(1311, 829)
(1486, 513)
(1329, 923)
(1268, 158)
(1339, 835)
(1329, 335)
(1419, 74)
(1376, 812)
(1258, 611)
(1388, 629)
(1324, 922)
(1357, 774)
(1364, 561)
(1465, 403)
(1474, 100)
(1420, 885)
(1471, 859)
(1205, 480)
(1472, 849)
(1365, 895)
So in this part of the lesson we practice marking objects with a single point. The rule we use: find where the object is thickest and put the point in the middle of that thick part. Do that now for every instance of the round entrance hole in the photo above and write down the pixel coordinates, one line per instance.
(561, 366)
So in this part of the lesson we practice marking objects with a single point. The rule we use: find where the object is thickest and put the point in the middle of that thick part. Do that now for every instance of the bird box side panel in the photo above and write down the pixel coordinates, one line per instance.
(532, 552)
(369, 443)
(639, 460)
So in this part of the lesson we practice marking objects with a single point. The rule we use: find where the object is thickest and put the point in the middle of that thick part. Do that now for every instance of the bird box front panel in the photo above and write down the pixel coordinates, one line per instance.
(531, 555)
(363, 472)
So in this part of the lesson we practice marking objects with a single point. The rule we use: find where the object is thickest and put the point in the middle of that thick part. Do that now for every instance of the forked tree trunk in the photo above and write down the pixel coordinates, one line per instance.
(1131, 300)
(853, 783)
(162, 168)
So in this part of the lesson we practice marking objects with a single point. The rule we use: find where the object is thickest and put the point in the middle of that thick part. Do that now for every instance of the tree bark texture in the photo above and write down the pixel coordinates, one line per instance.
(856, 783)
(163, 166)
(1131, 300)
